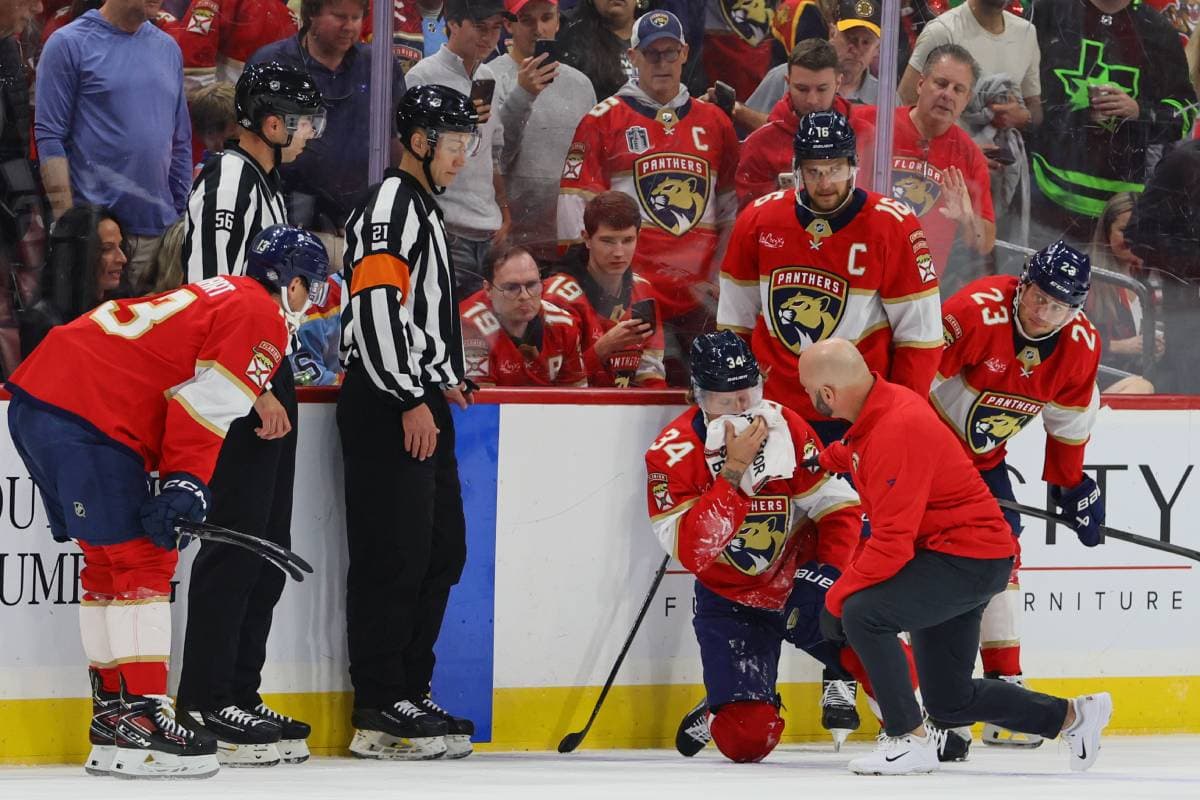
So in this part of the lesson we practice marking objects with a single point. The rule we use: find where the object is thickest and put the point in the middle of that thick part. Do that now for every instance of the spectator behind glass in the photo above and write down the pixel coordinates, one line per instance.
(168, 266)
(1117, 312)
(86, 266)
(112, 123)
(598, 286)
(857, 43)
(475, 205)
(737, 42)
(214, 120)
(939, 172)
(64, 16)
(330, 177)
(795, 21)
(511, 336)
(544, 101)
(596, 42)
(418, 30)
(218, 37)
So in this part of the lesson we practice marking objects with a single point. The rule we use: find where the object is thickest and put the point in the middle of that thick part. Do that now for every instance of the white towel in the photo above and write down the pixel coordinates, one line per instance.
(776, 459)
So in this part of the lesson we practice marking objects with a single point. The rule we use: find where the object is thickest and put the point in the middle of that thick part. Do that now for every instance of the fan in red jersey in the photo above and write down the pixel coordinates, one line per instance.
(830, 260)
(511, 336)
(218, 36)
(136, 386)
(1017, 348)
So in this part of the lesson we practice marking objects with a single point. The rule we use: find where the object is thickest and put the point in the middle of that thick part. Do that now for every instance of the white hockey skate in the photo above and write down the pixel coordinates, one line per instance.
(899, 755)
(399, 732)
(1003, 737)
(1092, 713)
(151, 744)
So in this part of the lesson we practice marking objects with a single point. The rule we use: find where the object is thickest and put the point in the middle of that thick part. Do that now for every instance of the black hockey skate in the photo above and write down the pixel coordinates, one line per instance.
(839, 715)
(293, 744)
(402, 731)
(693, 734)
(151, 744)
(244, 739)
(953, 744)
(106, 708)
(459, 730)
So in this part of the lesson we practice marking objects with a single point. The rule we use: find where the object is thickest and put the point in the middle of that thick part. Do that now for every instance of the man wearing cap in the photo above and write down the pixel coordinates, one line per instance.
(675, 155)
(476, 204)
(544, 101)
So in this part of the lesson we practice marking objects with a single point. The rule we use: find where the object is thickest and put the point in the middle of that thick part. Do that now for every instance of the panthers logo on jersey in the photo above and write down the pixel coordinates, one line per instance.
(760, 540)
(995, 417)
(806, 305)
(673, 189)
(917, 183)
(749, 19)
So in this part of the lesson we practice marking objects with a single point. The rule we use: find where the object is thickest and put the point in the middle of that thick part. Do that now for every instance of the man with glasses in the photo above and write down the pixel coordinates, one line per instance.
(1014, 349)
(676, 155)
(511, 336)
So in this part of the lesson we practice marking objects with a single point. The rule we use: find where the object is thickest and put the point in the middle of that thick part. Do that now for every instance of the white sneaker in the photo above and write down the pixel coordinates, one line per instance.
(899, 755)
(1092, 713)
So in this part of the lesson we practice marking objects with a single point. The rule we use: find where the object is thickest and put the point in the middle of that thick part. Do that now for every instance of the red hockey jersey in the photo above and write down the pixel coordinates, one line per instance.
(217, 36)
(548, 355)
(991, 383)
(680, 168)
(637, 366)
(164, 375)
(744, 548)
(790, 280)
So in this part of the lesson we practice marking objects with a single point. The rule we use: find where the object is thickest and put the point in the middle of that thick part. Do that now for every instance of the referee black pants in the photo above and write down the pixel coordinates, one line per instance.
(233, 592)
(939, 599)
(407, 542)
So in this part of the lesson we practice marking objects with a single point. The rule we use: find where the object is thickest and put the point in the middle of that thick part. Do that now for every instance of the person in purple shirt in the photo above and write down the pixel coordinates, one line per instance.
(112, 123)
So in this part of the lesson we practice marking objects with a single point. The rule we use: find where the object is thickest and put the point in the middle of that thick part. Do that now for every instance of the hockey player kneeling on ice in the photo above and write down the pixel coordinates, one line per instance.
(939, 551)
(135, 386)
(764, 536)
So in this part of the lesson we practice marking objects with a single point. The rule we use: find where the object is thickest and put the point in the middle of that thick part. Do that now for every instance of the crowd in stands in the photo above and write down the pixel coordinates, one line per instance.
(619, 141)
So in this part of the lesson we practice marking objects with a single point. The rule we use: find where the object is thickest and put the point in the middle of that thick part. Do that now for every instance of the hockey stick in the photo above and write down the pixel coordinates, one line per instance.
(1112, 533)
(280, 556)
(573, 740)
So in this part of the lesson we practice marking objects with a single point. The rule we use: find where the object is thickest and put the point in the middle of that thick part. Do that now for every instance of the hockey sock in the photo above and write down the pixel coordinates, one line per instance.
(96, 579)
(1000, 641)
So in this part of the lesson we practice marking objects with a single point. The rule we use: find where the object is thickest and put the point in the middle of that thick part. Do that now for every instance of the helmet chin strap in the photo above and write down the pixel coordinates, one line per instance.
(276, 149)
(800, 194)
(294, 318)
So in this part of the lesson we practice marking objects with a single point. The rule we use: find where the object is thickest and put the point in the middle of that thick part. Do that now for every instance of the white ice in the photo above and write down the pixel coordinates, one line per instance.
(1128, 768)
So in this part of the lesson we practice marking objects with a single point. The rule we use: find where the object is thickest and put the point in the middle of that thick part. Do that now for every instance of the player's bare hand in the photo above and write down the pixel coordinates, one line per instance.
(505, 226)
(1009, 115)
(742, 448)
(1112, 101)
(420, 432)
(484, 110)
(957, 205)
(622, 336)
(460, 395)
(536, 73)
(275, 422)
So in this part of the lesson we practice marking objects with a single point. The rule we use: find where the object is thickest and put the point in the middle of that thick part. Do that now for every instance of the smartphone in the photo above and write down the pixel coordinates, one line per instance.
(644, 310)
(1001, 155)
(482, 90)
(546, 46)
(725, 98)
(786, 180)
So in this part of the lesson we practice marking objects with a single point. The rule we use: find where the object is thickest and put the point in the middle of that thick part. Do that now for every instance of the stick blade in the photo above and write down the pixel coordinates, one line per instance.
(570, 742)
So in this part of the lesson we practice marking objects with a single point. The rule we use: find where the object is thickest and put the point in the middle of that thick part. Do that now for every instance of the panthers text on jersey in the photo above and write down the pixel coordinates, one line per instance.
(746, 549)
(791, 279)
(547, 355)
(992, 383)
(164, 375)
(679, 164)
(641, 365)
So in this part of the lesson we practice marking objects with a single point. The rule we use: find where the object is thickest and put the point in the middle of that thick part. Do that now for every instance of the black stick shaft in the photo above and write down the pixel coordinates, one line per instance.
(574, 740)
(1112, 533)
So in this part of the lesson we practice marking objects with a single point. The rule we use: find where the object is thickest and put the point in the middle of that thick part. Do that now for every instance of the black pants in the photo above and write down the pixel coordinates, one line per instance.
(407, 542)
(939, 599)
(233, 592)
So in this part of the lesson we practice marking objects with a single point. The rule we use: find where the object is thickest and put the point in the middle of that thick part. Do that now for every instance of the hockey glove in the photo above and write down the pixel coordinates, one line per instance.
(831, 627)
(1085, 505)
(182, 496)
(803, 608)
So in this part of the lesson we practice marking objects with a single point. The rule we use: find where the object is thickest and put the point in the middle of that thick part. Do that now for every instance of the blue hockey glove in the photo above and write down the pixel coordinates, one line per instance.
(803, 608)
(182, 496)
(1085, 505)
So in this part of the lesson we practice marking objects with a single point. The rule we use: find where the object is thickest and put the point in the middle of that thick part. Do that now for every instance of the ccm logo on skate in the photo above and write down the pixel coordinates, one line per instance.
(824, 581)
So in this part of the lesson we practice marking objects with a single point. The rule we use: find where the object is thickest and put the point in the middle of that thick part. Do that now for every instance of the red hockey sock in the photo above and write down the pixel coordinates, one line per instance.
(1001, 660)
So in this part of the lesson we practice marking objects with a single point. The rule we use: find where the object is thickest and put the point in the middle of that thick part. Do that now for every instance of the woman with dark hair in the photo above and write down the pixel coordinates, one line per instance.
(86, 266)
(596, 42)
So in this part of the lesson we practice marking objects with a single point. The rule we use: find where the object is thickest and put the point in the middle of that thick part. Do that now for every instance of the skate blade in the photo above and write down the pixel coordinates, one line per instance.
(458, 746)
(293, 751)
(379, 745)
(247, 755)
(100, 759)
(840, 735)
(1002, 737)
(146, 764)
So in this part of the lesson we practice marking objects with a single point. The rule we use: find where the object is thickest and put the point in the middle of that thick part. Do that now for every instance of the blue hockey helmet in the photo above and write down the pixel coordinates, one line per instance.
(279, 253)
(723, 362)
(824, 135)
(1060, 271)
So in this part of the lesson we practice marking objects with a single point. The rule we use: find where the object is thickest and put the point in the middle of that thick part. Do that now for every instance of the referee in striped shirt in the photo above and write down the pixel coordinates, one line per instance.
(402, 351)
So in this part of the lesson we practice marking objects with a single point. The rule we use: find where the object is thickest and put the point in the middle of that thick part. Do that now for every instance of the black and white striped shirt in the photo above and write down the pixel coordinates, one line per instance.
(231, 201)
(399, 313)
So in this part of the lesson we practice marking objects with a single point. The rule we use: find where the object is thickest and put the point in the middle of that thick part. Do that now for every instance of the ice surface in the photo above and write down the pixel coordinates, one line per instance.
(1129, 768)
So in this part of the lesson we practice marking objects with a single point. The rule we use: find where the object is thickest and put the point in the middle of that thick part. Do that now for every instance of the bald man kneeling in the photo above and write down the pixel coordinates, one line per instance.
(939, 551)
